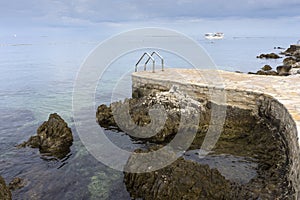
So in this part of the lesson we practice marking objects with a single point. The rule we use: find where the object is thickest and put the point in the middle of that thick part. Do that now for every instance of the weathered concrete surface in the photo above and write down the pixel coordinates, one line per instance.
(276, 98)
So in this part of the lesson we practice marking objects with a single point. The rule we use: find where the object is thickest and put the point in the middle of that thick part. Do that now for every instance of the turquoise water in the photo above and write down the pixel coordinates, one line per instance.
(36, 79)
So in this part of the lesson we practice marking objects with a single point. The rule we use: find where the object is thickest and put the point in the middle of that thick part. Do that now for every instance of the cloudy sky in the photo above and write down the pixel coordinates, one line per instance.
(17, 14)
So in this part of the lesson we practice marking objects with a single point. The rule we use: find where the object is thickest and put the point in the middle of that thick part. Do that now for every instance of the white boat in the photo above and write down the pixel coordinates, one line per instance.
(214, 36)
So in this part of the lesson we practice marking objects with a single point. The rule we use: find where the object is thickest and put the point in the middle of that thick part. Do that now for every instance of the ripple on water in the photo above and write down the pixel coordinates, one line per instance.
(234, 168)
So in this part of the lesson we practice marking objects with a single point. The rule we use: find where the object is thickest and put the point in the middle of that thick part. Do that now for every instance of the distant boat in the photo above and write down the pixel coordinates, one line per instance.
(214, 36)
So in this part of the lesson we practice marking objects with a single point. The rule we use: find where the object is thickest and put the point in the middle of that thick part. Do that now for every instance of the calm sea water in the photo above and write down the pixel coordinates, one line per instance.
(36, 79)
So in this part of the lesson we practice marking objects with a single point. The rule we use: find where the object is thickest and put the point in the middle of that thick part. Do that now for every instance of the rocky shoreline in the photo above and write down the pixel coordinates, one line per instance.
(244, 135)
(290, 66)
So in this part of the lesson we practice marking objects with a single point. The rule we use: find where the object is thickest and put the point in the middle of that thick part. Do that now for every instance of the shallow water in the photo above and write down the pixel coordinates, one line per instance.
(36, 79)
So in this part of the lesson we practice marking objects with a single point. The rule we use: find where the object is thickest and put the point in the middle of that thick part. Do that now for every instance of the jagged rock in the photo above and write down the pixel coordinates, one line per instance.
(266, 68)
(5, 193)
(53, 138)
(291, 50)
(133, 116)
(269, 56)
(283, 70)
(16, 183)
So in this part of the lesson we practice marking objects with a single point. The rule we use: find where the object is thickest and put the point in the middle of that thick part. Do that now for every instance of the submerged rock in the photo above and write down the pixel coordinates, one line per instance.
(16, 183)
(53, 138)
(269, 56)
(181, 180)
(5, 193)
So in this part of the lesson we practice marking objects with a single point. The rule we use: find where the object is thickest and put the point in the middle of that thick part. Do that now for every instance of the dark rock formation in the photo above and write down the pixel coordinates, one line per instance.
(181, 180)
(5, 193)
(53, 138)
(164, 107)
(266, 68)
(283, 70)
(16, 183)
(269, 56)
(291, 51)
(262, 72)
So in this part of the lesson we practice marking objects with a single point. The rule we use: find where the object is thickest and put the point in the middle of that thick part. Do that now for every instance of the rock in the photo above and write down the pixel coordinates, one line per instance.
(283, 70)
(295, 71)
(133, 116)
(269, 56)
(5, 193)
(278, 48)
(291, 50)
(266, 68)
(296, 54)
(16, 183)
(296, 65)
(181, 180)
(54, 137)
(289, 61)
(262, 72)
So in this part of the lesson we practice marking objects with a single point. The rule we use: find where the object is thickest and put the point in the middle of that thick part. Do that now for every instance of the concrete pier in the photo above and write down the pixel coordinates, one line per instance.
(274, 97)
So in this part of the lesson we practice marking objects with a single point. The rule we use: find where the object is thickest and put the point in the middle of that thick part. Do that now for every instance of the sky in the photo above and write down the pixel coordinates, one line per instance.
(235, 16)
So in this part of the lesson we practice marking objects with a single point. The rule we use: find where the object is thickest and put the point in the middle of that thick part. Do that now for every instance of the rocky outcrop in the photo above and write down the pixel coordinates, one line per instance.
(289, 61)
(154, 118)
(267, 73)
(292, 50)
(269, 56)
(244, 135)
(266, 68)
(54, 137)
(5, 193)
(283, 70)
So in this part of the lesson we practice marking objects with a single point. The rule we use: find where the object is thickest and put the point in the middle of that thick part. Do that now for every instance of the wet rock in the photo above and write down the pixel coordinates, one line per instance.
(266, 68)
(16, 183)
(5, 193)
(269, 56)
(283, 70)
(54, 137)
(181, 180)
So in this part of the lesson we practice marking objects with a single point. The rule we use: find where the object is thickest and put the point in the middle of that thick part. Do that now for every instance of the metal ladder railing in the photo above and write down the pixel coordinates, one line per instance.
(150, 57)
(161, 58)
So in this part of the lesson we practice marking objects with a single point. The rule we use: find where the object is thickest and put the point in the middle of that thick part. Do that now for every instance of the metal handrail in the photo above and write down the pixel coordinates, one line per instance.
(150, 57)
(161, 58)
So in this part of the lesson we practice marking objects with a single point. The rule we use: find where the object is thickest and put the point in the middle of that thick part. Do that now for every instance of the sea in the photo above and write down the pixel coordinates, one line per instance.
(37, 76)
